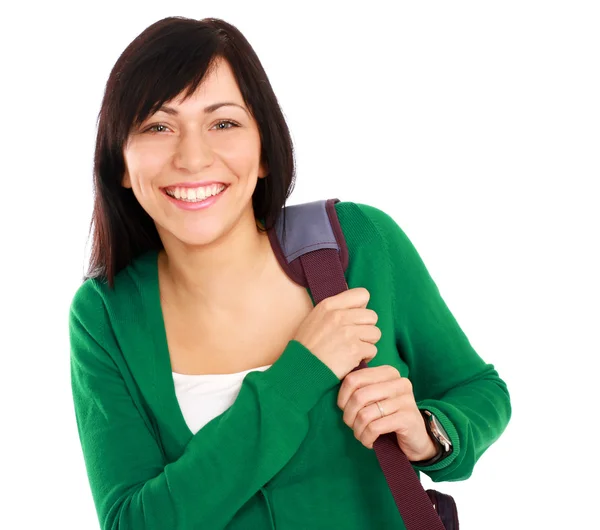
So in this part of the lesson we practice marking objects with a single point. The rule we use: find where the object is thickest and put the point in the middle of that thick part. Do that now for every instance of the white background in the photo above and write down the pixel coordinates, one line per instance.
(474, 124)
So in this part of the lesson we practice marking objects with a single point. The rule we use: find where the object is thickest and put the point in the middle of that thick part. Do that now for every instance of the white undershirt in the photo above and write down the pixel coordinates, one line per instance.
(204, 397)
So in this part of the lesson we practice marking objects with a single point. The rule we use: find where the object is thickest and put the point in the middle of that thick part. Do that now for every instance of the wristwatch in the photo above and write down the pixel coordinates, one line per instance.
(439, 436)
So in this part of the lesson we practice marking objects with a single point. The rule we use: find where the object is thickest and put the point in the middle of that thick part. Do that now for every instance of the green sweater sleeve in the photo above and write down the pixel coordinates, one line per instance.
(224, 464)
(449, 378)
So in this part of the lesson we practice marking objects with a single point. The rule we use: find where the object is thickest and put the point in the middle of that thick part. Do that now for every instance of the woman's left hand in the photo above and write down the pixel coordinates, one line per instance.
(358, 397)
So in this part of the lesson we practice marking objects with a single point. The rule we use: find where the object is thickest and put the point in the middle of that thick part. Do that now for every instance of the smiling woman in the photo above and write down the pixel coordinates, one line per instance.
(210, 391)
(215, 144)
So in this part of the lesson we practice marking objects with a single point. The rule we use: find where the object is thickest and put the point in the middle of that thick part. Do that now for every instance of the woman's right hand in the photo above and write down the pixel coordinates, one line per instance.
(341, 331)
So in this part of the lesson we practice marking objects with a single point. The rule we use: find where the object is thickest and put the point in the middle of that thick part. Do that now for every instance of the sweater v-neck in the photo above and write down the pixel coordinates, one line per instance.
(164, 384)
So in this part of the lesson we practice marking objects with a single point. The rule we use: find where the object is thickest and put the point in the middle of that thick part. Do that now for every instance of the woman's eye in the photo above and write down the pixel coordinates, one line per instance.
(225, 124)
(154, 128)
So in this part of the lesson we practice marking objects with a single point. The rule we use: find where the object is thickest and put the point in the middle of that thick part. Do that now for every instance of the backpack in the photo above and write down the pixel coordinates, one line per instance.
(310, 245)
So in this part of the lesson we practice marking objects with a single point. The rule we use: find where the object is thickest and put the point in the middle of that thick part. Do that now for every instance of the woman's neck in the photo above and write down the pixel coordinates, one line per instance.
(216, 277)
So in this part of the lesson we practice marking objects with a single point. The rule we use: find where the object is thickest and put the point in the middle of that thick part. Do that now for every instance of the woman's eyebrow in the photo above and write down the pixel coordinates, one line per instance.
(207, 110)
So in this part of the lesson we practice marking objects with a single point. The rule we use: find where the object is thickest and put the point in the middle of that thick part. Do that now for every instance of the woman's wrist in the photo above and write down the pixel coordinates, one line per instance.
(432, 451)
(432, 456)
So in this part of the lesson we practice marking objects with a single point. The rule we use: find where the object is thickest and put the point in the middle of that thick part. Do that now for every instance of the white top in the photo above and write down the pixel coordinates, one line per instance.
(204, 397)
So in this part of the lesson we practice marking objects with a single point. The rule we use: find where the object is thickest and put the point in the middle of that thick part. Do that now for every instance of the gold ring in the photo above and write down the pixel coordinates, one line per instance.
(380, 409)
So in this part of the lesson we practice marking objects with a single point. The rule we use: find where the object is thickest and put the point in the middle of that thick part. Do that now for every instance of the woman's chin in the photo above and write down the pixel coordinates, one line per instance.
(204, 231)
(190, 236)
(200, 240)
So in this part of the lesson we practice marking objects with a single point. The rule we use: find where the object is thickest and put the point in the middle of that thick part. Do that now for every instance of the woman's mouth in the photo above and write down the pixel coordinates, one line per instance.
(195, 198)
(197, 194)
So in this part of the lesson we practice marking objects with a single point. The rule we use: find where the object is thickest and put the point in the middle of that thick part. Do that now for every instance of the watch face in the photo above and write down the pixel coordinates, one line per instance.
(440, 433)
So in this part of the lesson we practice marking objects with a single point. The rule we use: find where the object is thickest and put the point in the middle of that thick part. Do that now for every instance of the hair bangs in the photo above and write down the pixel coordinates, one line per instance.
(176, 67)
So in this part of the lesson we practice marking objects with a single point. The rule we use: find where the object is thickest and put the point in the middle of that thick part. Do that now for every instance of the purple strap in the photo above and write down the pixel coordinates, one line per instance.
(325, 276)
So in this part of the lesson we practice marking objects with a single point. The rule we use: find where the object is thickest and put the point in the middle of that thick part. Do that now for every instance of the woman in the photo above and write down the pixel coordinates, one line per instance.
(209, 391)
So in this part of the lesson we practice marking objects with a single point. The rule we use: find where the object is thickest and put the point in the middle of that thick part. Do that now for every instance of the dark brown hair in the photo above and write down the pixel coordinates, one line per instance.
(168, 57)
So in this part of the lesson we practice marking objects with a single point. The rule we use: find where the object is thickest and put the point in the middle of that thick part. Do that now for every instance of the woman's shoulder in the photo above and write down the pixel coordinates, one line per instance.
(365, 224)
(87, 302)
(95, 299)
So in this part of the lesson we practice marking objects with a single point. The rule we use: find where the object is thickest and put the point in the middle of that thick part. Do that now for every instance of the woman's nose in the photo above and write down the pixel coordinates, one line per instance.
(193, 152)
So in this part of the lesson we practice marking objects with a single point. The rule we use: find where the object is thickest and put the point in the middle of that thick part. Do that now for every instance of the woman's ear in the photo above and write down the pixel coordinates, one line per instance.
(126, 181)
(263, 170)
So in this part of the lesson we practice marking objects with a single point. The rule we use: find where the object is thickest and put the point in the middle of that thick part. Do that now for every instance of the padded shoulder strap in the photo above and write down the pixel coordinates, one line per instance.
(305, 228)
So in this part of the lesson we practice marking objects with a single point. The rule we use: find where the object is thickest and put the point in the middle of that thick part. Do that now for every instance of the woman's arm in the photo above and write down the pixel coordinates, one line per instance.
(223, 465)
(449, 378)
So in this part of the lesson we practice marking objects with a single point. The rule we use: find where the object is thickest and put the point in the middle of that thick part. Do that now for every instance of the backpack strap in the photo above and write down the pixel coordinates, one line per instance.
(310, 246)
(301, 231)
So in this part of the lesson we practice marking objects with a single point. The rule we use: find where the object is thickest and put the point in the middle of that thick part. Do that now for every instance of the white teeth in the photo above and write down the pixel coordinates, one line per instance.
(195, 194)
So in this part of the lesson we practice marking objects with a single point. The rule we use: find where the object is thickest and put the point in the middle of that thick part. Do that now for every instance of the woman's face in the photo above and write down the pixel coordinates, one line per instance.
(193, 165)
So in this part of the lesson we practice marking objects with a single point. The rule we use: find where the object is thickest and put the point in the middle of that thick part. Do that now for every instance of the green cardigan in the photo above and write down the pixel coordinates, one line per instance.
(280, 456)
